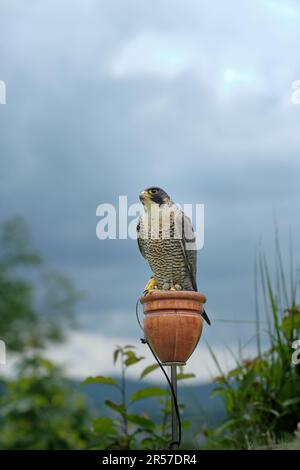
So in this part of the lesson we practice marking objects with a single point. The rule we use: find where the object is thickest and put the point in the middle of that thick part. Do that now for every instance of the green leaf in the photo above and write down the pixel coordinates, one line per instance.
(132, 358)
(116, 354)
(148, 370)
(115, 406)
(147, 442)
(183, 376)
(140, 421)
(291, 322)
(235, 372)
(291, 401)
(186, 424)
(228, 424)
(148, 393)
(218, 391)
(103, 425)
(99, 379)
(268, 409)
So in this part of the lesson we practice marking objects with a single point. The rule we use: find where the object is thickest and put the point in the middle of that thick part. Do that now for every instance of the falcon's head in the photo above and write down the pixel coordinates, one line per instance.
(154, 195)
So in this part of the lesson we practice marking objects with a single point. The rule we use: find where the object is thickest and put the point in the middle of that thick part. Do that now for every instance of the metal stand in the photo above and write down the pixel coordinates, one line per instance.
(174, 415)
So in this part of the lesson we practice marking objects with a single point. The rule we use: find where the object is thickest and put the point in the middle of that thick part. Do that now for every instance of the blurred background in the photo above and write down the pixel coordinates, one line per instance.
(105, 98)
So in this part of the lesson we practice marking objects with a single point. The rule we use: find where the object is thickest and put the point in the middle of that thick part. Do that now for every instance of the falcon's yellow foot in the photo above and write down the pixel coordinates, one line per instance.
(150, 286)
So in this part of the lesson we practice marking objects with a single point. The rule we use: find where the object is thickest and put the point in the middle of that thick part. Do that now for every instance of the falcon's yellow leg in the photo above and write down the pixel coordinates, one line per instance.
(150, 286)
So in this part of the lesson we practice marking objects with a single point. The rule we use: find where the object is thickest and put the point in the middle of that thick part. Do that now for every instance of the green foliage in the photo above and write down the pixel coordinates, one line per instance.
(126, 429)
(35, 304)
(15, 245)
(262, 395)
(40, 411)
(99, 380)
(148, 370)
(148, 392)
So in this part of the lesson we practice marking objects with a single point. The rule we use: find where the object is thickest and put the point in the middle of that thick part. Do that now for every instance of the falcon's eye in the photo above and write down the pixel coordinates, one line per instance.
(153, 191)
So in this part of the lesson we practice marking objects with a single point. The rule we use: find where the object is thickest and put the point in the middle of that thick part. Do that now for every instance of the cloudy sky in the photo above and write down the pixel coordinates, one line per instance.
(107, 97)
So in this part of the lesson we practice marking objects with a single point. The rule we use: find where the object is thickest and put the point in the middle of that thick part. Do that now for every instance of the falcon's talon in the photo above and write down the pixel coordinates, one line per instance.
(150, 286)
(149, 291)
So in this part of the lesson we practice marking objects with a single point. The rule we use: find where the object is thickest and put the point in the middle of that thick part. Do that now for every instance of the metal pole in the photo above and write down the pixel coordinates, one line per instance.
(174, 415)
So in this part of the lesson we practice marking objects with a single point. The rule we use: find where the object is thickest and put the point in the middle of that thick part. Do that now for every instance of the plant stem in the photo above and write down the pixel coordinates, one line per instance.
(123, 393)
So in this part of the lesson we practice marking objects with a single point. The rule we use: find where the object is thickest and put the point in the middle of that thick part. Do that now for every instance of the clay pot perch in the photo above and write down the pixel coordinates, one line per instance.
(173, 324)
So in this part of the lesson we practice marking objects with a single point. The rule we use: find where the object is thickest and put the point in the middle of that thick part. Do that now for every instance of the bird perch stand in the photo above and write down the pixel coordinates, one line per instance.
(173, 326)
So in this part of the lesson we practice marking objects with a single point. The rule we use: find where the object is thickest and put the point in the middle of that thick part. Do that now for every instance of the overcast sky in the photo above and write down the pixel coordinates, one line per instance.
(107, 97)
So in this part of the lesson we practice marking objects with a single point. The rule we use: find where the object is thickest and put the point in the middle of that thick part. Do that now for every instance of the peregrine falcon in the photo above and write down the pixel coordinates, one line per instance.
(166, 239)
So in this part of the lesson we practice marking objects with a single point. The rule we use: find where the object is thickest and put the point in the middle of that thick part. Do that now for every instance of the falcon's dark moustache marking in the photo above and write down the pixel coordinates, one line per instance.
(157, 195)
(157, 199)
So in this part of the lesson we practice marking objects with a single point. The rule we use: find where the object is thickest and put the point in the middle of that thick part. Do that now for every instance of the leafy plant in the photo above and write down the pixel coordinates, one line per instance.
(127, 429)
(35, 304)
(40, 410)
(262, 395)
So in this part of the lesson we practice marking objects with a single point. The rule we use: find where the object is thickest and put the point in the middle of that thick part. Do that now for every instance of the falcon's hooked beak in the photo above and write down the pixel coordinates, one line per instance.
(143, 196)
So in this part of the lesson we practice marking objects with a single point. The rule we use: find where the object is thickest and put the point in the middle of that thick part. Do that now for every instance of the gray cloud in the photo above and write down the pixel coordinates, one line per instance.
(194, 98)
